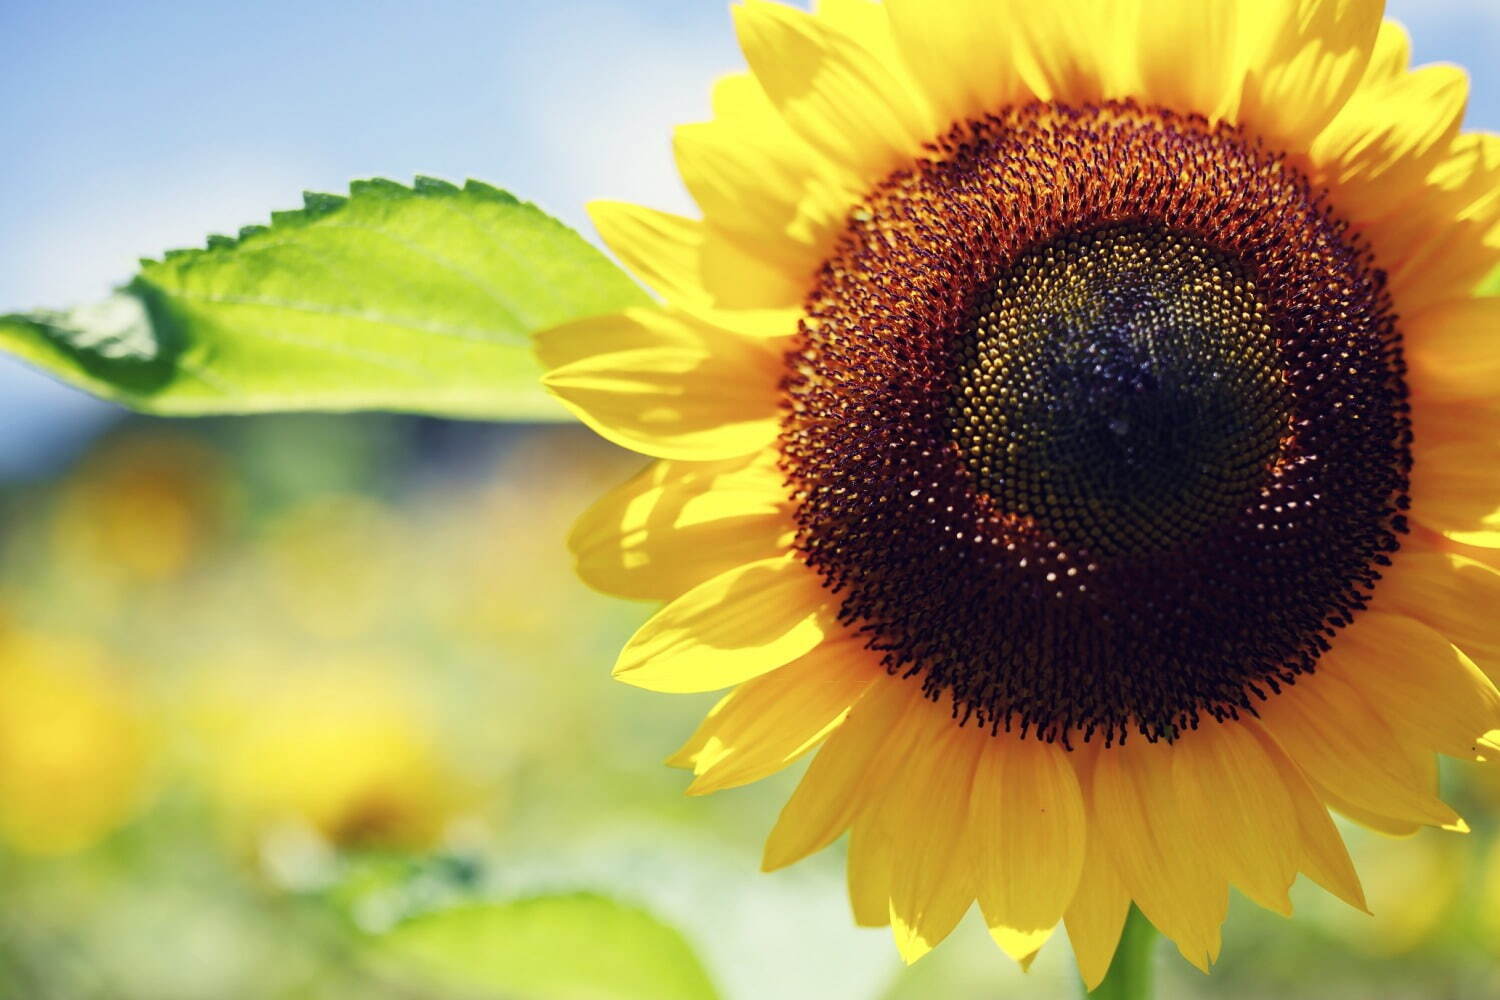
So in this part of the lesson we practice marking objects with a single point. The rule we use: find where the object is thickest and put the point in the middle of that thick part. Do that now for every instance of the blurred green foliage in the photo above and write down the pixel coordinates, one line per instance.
(574, 947)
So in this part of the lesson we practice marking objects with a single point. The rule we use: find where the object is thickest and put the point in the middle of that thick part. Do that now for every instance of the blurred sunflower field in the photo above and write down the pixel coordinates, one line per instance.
(313, 707)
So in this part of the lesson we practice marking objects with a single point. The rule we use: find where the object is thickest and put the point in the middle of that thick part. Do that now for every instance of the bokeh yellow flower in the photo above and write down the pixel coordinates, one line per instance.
(1414, 887)
(144, 506)
(76, 749)
(348, 749)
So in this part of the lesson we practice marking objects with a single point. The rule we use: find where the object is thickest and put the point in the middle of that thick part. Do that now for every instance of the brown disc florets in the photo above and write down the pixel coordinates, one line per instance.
(1097, 423)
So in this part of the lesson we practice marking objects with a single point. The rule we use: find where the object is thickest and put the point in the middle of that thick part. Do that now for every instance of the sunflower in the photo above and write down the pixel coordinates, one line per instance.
(77, 748)
(1077, 422)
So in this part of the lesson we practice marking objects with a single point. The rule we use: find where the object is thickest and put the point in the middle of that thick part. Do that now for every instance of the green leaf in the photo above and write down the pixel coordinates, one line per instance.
(394, 298)
(571, 947)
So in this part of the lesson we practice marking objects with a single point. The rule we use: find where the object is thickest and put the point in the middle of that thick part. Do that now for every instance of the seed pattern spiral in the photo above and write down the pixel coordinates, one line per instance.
(1121, 388)
(1097, 422)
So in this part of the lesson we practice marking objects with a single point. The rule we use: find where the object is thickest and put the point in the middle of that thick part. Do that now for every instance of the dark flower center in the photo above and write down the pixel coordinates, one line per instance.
(1121, 388)
(1096, 422)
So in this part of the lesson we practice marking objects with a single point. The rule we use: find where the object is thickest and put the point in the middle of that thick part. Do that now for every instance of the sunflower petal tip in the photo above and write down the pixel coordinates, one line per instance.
(1202, 960)
(681, 759)
(1281, 905)
(631, 672)
(909, 942)
(1457, 825)
(596, 205)
(774, 858)
(912, 955)
(700, 786)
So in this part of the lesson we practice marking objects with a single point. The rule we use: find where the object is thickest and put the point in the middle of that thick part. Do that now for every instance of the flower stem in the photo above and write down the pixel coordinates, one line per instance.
(1133, 970)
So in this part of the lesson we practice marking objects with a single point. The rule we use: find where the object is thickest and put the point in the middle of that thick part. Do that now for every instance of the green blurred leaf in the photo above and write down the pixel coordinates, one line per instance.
(572, 947)
(1491, 285)
(394, 298)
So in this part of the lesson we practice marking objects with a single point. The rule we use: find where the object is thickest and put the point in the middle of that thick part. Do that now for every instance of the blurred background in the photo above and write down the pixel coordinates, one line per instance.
(312, 706)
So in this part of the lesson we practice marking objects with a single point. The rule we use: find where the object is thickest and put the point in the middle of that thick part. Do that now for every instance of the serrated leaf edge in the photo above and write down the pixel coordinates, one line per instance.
(318, 205)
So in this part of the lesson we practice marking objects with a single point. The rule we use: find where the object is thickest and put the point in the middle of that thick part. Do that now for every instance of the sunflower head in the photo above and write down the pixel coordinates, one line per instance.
(1094, 497)
(1078, 423)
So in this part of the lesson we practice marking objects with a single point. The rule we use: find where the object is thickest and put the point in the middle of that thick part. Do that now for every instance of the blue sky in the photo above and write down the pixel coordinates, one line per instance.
(135, 127)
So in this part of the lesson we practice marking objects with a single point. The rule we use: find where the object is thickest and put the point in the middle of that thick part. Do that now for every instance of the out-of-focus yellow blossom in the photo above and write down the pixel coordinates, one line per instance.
(346, 750)
(1411, 884)
(332, 564)
(75, 747)
(144, 506)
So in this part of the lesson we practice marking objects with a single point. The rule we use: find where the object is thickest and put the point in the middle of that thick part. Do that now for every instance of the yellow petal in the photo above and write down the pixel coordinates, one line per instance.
(1432, 540)
(1236, 807)
(1096, 916)
(871, 855)
(736, 626)
(1073, 52)
(1433, 696)
(1029, 825)
(759, 181)
(1452, 593)
(1321, 854)
(752, 189)
(742, 274)
(1391, 826)
(841, 98)
(1164, 869)
(1179, 55)
(766, 723)
(855, 765)
(1395, 128)
(1455, 488)
(1424, 766)
(868, 23)
(660, 248)
(864, 20)
(1439, 244)
(927, 814)
(676, 524)
(739, 98)
(1020, 945)
(772, 204)
(750, 118)
(698, 394)
(950, 49)
(1391, 57)
(1349, 751)
(1453, 350)
(775, 325)
(1441, 421)
(632, 330)
(1301, 60)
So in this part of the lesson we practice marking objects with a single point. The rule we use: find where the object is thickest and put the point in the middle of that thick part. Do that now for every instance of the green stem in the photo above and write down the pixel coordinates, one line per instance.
(1133, 970)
